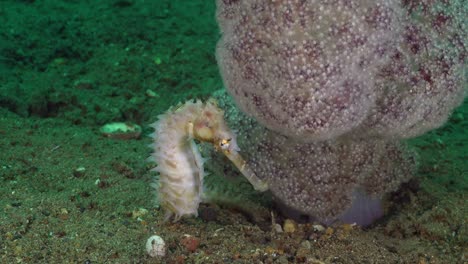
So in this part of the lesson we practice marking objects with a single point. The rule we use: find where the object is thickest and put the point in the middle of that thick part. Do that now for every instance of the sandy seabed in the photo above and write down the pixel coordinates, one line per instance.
(70, 195)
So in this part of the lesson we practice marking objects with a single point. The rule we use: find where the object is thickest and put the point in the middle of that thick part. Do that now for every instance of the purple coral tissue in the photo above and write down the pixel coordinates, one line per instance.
(338, 84)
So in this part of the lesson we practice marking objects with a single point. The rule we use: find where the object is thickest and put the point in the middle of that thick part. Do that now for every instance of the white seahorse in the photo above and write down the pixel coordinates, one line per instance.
(179, 161)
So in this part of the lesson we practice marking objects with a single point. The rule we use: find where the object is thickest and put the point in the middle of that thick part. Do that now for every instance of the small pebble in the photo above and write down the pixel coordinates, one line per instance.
(306, 244)
(151, 93)
(79, 172)
(277, 227)
(190, 243)
(289, 226)
(318, 228)
(139, 212)
(121, 130)
(155, 246)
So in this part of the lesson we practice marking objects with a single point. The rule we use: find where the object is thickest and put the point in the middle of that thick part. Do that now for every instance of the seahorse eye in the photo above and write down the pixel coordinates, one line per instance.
(224, 143)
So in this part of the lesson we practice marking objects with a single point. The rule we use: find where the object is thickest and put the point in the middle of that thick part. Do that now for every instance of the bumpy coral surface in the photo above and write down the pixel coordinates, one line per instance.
(316, 70)
(425, 77)
(339, 83)
(321, 179)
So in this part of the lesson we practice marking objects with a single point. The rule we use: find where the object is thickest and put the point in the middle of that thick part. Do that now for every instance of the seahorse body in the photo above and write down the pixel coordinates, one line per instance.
(179, 162)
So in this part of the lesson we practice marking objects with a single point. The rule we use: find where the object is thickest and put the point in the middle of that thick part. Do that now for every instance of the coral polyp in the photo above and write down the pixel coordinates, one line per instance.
(335, 86)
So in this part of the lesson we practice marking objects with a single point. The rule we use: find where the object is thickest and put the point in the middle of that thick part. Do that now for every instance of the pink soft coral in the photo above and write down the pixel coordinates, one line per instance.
(340, 83)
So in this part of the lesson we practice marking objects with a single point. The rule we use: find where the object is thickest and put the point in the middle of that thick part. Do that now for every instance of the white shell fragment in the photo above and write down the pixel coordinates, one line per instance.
(121, 130)
(155, 246)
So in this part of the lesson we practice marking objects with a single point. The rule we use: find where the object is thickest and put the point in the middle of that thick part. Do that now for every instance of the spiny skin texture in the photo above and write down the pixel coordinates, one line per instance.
(316, 70)
(180, 165)
(320, 178)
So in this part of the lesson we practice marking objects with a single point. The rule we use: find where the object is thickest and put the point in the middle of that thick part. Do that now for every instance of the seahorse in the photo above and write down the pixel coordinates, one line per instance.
(179, 162)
